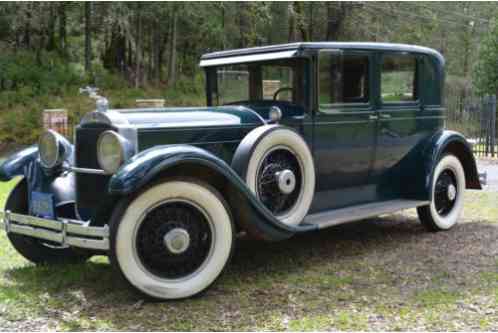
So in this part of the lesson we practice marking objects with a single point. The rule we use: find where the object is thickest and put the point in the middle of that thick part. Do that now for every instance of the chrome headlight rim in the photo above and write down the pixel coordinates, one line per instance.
(58, 146)
(122, 145)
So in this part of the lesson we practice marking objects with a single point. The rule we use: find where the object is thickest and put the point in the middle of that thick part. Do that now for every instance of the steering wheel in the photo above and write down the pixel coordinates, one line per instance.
(275, 95)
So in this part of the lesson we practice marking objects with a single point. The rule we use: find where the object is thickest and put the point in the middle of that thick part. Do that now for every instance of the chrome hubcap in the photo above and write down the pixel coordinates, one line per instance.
(451, 193)
(177, 240)
(286, 181)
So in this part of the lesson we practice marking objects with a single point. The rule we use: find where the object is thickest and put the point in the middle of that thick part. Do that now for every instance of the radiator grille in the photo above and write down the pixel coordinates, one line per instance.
(91, 190)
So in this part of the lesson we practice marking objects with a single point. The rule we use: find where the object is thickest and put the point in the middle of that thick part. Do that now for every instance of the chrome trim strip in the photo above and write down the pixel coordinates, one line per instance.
(35, 222)
(86, 170)
(63, 231)
(230, 60)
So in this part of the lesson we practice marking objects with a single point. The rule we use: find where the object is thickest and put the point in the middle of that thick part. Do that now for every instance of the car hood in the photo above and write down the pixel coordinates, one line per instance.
(177, 117)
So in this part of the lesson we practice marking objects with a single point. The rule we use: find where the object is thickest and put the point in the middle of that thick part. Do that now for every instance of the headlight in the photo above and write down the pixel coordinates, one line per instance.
(112, 151)
(52, 148)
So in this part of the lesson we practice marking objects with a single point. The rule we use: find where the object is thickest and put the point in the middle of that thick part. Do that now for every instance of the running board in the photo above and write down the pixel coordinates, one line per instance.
(360, 212)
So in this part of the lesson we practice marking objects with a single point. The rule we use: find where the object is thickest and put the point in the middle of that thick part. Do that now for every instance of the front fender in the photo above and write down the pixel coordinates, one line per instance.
(450, 142)
(16, 164)
(25, 163)
(250, 213)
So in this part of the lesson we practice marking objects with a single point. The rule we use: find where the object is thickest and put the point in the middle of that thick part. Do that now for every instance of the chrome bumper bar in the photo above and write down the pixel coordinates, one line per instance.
(63, 231)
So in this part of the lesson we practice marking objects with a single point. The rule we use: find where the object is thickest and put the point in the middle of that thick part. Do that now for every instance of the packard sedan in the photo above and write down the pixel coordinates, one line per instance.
(294, 138)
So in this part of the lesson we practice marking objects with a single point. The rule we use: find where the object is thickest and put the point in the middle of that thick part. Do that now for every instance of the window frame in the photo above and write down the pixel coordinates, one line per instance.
(338, 107)
(417, 84)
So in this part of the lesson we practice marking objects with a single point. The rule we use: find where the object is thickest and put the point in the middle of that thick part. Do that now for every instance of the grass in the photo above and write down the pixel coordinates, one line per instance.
(381, 274)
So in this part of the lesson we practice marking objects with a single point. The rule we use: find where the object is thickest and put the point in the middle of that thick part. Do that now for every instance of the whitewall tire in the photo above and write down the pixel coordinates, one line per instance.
(448, 187)
(281, 173)
(173, 240)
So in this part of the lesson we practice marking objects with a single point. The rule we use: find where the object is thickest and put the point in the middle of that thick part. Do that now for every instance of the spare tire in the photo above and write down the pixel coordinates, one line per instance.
(277, 166)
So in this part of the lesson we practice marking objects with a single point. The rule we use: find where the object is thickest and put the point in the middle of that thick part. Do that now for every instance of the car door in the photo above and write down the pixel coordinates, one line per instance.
(344, 123)
(399, 110)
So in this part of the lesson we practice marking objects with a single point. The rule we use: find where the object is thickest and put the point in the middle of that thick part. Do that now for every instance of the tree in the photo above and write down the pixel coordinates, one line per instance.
(88, 37)
(172, 46)
(62, 28)
(486, 74)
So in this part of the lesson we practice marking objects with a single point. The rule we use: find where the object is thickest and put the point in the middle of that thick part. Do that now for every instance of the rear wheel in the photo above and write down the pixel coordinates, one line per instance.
(36, 250)
(448, 187)
(173, 240)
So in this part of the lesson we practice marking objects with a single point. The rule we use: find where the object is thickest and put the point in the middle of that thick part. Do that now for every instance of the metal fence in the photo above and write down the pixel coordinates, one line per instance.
(475, 117)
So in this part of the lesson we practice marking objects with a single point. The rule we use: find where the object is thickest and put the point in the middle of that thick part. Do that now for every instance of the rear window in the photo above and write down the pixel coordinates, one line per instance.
(398, 78)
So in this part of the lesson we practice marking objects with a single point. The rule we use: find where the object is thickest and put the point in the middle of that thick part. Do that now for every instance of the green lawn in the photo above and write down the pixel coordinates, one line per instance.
(381, 274)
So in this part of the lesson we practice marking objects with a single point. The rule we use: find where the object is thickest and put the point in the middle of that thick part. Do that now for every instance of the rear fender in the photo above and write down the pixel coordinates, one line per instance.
(185, 160)
(455, 143)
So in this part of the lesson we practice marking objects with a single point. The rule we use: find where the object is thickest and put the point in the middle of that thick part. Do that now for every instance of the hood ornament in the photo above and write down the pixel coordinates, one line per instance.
(101, 103)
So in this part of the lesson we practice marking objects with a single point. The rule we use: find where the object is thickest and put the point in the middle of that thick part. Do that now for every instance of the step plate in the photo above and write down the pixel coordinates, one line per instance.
(349, 214)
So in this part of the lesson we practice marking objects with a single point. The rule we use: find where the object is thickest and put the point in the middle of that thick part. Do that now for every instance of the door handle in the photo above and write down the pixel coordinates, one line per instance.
(373, 117)
(385, 116)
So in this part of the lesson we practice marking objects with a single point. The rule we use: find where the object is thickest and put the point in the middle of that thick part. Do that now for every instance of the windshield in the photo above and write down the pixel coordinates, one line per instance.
(266, 81)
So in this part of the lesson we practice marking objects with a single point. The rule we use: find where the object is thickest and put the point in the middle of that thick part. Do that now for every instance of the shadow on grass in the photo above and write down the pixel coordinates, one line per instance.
(337, 265)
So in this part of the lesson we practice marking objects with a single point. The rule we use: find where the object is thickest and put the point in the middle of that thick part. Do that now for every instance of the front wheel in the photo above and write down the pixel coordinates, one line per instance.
(173, 240)
(448, 187)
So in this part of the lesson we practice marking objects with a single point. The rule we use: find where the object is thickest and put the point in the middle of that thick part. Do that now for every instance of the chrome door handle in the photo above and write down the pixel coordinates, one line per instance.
(373, 117)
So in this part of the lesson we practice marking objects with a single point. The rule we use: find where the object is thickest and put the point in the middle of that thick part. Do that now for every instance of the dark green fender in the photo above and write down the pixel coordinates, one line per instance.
(416, 171)
(25, 163)
(444, 142)
(15, 164)
(189, 161)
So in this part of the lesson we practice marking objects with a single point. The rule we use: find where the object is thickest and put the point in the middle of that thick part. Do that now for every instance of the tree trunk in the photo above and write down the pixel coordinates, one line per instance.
(138, 51)
(62, 28)
(299, 20)
(51, 45)
(172, 49)
(335, 20)
(223, 37)
(88, 37)
(244, 21)
(156, 43)
(310, 21)
(27, 27)
(292, 23)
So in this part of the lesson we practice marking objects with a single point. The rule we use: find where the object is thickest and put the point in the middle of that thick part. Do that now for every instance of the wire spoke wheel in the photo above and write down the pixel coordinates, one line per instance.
(174, 240)
(279, 180)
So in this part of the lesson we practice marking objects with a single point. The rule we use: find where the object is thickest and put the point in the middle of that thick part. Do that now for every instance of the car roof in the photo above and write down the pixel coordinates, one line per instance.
(326, 45)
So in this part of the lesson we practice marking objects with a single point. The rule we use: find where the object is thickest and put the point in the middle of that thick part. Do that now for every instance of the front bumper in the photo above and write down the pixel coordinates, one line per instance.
(63, 231)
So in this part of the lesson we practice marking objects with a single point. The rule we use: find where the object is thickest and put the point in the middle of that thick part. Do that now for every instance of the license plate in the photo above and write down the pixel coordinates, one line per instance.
(42, 205)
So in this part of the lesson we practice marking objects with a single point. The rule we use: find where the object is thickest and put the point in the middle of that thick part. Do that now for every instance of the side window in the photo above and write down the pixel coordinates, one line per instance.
(343, 79)
(399, 78)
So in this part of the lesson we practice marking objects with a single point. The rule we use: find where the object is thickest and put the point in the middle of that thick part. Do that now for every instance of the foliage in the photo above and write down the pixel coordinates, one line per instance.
(486, 74)
(137, 50)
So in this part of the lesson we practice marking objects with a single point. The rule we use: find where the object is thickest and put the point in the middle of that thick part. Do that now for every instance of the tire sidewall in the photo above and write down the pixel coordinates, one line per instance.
(452, 163)
(294, 143)
(125, 254)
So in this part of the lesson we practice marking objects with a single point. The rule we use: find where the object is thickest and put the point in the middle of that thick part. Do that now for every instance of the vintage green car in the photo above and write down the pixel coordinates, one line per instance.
(294, 138)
